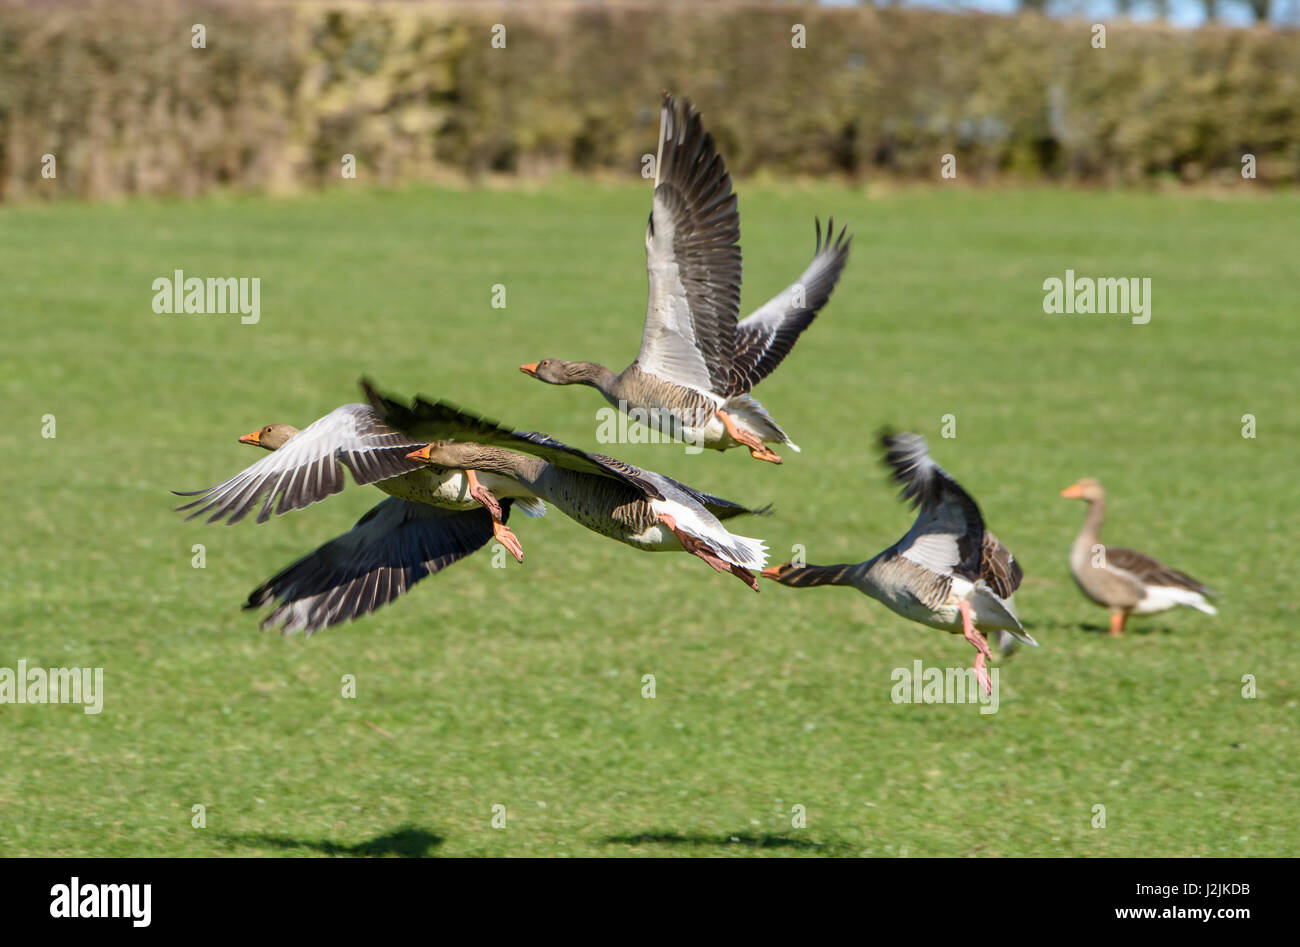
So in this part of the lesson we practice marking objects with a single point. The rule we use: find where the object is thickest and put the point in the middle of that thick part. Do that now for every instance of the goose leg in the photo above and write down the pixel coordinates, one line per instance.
(757, 449)
(1117, 620)
(981, 644)
(505, 536)
(697, 547)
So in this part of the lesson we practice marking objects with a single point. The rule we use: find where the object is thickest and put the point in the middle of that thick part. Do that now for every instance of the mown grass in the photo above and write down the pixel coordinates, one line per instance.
(521, 686)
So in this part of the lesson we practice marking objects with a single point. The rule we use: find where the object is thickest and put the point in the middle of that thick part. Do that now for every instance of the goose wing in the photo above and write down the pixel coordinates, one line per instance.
(439, 420)
(692, 258)
(766, 336)
(391, 548)
(1150, 571)
(998, 567)
(309, 467)
(429, 421)
(948, 535)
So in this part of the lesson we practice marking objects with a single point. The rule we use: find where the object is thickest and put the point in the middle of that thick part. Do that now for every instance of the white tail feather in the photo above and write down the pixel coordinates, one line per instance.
(702, 525)
(746, 411)
(530, 506)
(744, 551)
(1160, 598)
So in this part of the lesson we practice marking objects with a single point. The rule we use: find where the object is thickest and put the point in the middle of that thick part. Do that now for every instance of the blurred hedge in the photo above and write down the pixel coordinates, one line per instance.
(283, 89)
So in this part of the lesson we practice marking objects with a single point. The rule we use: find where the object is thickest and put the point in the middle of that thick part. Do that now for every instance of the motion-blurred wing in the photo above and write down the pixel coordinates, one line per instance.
(948, 534)
(309, 466)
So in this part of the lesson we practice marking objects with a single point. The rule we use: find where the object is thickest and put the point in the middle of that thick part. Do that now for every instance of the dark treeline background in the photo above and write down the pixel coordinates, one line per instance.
(118, 94)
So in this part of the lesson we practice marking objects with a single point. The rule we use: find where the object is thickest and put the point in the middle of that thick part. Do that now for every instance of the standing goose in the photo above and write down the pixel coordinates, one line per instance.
(641, 508)
(948, 572)
(693, 374)
(430, 520)
(1124, 581)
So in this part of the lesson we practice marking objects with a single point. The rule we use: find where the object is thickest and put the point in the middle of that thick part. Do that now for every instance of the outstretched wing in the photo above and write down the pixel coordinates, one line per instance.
(309, 467)
(391, 548)
(948, 535)
(692, 257)
(766, 336)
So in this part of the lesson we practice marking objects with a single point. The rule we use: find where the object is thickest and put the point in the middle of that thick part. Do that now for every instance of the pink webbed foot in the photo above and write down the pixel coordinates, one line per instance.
(506, 537)
(698, 548)
(980, 643)
(757, 449)
(484, 496)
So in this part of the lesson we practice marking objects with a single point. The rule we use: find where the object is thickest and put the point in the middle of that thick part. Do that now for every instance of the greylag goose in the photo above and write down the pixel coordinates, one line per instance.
(1122, 580)
(641, 508)
(431, 519)
(948, 572)
(693, 375)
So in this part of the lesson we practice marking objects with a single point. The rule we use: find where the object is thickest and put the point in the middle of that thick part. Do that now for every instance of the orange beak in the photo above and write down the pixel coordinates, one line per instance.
(771, 572)
(529, 369)
(1072, 493)
(253, 439)
(421, 455)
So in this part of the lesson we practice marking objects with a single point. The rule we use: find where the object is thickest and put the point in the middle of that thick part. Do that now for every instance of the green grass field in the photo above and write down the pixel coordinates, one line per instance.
(521, 686)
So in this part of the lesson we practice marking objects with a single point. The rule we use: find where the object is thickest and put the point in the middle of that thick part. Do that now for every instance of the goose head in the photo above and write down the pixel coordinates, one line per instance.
(271, 437)
(467, 455)
(1086, 489)
(463, 455)
(556, 371)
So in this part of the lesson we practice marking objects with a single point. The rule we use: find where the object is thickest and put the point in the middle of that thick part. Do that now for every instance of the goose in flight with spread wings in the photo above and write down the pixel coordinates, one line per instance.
(641, 508)
(430, 519)
(948, 572)
(1123, 580)
(693, 375)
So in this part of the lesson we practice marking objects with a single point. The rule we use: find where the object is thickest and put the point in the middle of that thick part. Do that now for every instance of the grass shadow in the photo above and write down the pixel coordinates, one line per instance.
(408, 841)
(1133, 629)
(745, 839)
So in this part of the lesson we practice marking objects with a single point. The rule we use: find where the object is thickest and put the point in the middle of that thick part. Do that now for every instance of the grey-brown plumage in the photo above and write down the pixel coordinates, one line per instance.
(431, 519)
(1121, 580)
(945, 565)
(1000, 571)
(998, 567)
(443, 421)
(696, 365)
(638, 507)
(1151, 572)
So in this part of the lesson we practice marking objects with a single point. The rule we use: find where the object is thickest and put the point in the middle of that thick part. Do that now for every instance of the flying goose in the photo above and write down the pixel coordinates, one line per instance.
(431, 519)
(640, 508)
(693, 374)
(948, 572)
(1124, 581)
